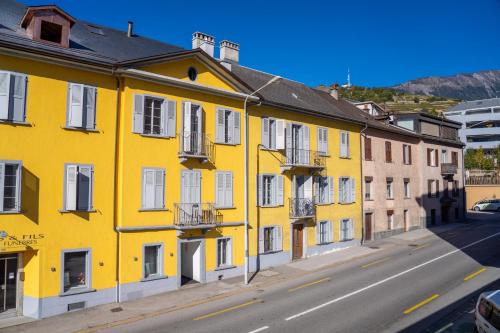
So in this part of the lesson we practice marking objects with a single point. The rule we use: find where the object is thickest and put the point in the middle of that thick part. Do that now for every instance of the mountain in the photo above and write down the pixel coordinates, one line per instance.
(470, 86)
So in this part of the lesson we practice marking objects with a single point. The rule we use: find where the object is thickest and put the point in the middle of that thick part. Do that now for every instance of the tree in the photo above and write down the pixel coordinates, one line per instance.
(496, 155)
(469, 160)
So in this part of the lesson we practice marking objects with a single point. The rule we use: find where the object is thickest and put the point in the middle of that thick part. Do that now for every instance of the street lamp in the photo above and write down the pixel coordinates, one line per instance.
(271, 81)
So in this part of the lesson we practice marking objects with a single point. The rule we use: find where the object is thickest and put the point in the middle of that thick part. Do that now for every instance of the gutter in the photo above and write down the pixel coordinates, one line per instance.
(361, 183)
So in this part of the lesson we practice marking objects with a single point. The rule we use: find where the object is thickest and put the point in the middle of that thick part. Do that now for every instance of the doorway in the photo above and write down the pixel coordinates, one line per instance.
(191, 262)
(297, 242)
(8, 282)
(445, 214)
(368, 226)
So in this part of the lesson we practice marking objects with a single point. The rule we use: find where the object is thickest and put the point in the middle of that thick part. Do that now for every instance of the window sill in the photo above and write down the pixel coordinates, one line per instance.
(11, 212)
(220, 208)
(156, 136)
(152, 210)
(369, 199)
(270, 252)
(224, 267)
(346, 203)
(81, 129)
(324, 203)
(269, 149)
(154, 278)
(324, 154)
(345, 157)
(77, 291)
(407, 198)
(389, 199)
(227, 144)
(325, 243)
(269, 206)
(15, 123)
(64, 211)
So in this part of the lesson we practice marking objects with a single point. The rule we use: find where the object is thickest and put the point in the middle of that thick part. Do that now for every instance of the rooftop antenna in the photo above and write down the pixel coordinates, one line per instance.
(348, 84)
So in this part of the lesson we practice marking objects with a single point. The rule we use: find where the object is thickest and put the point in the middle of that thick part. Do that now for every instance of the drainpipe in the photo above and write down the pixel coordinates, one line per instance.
(361, 184)
(245, 105)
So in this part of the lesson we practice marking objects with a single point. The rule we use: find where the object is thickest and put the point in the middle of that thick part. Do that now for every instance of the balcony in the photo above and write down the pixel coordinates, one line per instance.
(301, 208)
(195, 145)
(448, 169)
(302, 158)
(196, 215)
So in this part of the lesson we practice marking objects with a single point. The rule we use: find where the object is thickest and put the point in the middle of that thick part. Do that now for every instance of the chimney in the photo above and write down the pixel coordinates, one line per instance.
(204, 42)
(334, 91)
(130, 31)
(229, 51)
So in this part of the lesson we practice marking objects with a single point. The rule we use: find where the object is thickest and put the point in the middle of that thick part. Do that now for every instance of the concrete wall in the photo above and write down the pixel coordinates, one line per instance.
(475, 193)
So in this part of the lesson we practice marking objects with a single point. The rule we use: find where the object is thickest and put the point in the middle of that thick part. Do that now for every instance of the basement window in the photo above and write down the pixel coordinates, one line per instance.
(51, 32)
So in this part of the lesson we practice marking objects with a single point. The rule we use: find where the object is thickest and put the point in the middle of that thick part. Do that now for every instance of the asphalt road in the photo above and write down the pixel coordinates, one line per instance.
(409, 286)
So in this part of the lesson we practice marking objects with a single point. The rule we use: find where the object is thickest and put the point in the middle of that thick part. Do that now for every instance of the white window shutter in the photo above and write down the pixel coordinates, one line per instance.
(341, 190)
(2, 184)
(316, 189)
(84, 181)
(75, 104)
(148, 188)
(138, 114)
(318, 232)
(4, 95)
(288, 138)
(219, 189)
(325, 140)
(343, 150)
(330, 231)
(278, 242)
(261, 240)
(228, 195)
(265, 132)
(351, 229)
(308, 187)
(159, 188)
(331, 190)
(19, 83)
(186, 132)
(347, 150)
(280, 189)
(71, 187)
(307, 145)
(260, 189)
(353, 190)
(280, 134)
(90, 96)
(237, 128)
(171, 118)
(219, 125)
(163, 118)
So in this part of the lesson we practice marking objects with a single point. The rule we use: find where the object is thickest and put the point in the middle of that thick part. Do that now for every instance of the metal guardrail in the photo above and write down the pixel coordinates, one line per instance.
(482, 180)
(302, 207)
(448, 169)
(303, 158)
(196, 144)
(195, 214)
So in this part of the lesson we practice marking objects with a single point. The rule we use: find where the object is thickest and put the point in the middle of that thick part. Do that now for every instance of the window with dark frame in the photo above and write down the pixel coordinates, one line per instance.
(368, 149)
(388, 152)
(51, 32)
(152, 115)
(151, 260)
(75, 270)
(223, 252)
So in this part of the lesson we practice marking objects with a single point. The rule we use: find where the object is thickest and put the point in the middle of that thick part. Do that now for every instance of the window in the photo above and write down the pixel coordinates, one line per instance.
(154, 116)
(388, 152)
(152, 261)
(270, 190)
(224, 189)
(273, 133)
(78, 187)
(407, 191)
(323, 189)
(389, 189)
(224, 250)
(406, 154)
(454, 158)
(444, 156)
(405, 219)
(270, 239)
(76, 270)
(51, 32)
(324, 232)
(192, 73)
(432, 188)
(13, 88)
(344, 144)
(432, 157)
(10, 186)
(346, 229)
(455, 191)
(228, 127)
(323, 140)
(445, 188)
(368, 149)
(81, 106)
(390, 219)
(153, 188)
(368, 188)
(347, 190)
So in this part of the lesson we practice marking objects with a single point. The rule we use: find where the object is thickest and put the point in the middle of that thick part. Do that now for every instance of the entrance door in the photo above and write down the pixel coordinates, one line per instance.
(8, 282)
(444, 214)
(192, 131)
(297, 241)
(368, 226)
(191, 262)
(190, 196)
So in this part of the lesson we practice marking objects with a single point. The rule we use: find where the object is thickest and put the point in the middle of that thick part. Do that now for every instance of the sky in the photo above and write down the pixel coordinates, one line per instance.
(382, 42)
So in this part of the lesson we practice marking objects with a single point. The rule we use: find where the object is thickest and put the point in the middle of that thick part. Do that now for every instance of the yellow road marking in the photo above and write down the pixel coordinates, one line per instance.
(468, 277)
(413, 308)
(308, 284)
(376, 262)
(227, 309)
(421, 246)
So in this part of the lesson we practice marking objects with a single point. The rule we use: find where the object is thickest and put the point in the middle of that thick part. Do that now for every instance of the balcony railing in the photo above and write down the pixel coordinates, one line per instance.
(303, 158)
(302, 208)
(196, 145)
(448, 169)
(195, 214)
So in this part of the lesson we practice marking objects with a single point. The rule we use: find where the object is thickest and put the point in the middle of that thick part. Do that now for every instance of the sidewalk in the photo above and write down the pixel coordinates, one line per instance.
(114, 314)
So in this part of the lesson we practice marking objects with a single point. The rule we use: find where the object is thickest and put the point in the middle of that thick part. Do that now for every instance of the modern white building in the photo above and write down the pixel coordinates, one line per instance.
(480, 123)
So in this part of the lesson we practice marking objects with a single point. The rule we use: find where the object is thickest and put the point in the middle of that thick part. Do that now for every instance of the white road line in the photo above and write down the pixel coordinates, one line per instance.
(444, 328)
(389, 278)
(259, 329)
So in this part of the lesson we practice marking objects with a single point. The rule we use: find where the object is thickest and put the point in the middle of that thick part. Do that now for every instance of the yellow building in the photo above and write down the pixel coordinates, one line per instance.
(129, 167)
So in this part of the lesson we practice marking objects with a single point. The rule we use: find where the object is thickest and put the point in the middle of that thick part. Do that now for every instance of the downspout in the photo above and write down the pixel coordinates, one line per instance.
(361, 182)
(247, 259)
(115, 190)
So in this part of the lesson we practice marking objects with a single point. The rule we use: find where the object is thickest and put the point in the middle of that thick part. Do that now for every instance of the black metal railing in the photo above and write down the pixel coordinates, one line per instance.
(302, 207)
(448, 169)
(195, 214)
(196, 144)
(303, 158)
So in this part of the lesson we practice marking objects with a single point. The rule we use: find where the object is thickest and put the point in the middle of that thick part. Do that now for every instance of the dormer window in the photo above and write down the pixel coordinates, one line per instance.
(48, 24)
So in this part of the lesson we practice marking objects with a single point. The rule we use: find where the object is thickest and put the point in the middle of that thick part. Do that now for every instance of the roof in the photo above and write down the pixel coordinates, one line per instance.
(481, 103)
(30, 11)
(421, 114)
(88, 42)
